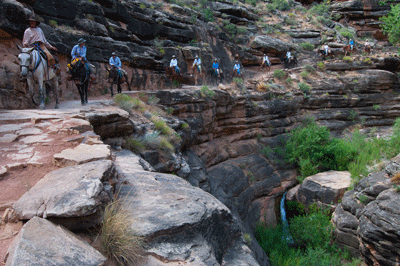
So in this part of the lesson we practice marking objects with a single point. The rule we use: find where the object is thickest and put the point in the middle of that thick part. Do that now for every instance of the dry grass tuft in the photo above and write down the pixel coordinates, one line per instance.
(119, 241)
(396, 178)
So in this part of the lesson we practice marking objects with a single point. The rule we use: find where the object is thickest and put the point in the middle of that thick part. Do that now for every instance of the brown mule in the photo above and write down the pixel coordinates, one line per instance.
(346, 49)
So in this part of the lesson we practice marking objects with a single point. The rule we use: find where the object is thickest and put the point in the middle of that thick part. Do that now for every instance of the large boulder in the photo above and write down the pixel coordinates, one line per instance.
(72, 196)
(40, 242)
(181, 222)
(326, 188)
(82, 154)
(273, 46)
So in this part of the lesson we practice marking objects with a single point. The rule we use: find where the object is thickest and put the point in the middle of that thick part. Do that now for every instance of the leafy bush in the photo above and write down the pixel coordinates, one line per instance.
(252, 2)
(313, 149)
(321, 9)
(321, 66)
(206, 92)
(307, 46)
(347, 59)
(309, 69)
(118, 240)
(53, 23)
(278, 5)
(391, 24)
(279, 73)
(347, 33)
(162, 126)
(304, 74)
(241, 30)
(230, 28)
(135, 145)
(289, 81)
(367, 60)
(238, 81)
(304, 87)
(208, 14)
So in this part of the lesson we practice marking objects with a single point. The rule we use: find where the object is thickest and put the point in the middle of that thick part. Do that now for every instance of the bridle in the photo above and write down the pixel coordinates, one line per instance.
(32, 70)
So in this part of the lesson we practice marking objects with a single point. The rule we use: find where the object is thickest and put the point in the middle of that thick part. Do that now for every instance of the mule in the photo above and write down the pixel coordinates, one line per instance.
(265, 65)
(216, 79)
(180, 79)
(117, 77)
(81, 76)
(235, 74)
(346, 49)
(287, 63)
(198, 74)
(34, 68)
(322, 53)
(367, 49)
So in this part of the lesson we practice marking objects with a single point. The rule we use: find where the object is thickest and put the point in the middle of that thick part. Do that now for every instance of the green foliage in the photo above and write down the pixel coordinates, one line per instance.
(127, 103)
(208, 14)
(321, 9)
(241, 30)
(230, 28)
(289, 81)
(367, 60)
(321, 66)
(279, 73)
(142, 6)
(206, 92)
(238, 82)
(53, 23)
(309, 69)
(349, 34)
(162, 126)
(278, 5)
(304, 87)
(347, 59)
(391, 24)
(376, 107)
(252, 2)
(135, 145)
(290, 21)
(363, 199)
(185, 126)
(307, 46)
(266, 151)
(313, 149)
(304, 74)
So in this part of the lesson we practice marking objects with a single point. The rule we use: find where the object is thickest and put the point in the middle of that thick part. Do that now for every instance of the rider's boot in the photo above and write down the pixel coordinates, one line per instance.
(41, 97)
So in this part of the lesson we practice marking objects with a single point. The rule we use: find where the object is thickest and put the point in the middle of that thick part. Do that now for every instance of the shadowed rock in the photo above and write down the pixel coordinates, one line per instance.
(40, 242)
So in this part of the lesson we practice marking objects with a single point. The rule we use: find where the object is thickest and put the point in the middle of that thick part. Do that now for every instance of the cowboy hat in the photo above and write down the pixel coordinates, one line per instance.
(114, 53)
(32, 18)
(173, 56)
(196, 56)
(81, 40)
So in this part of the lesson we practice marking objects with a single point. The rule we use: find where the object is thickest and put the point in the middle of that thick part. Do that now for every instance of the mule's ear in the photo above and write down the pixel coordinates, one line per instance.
(18, 47)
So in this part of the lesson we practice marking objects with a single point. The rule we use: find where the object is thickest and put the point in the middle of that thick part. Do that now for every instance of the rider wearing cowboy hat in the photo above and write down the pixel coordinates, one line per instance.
(116, 62)
(174, 63)
(197, 63)
(79, 50)
(34, 36)
(237, 67)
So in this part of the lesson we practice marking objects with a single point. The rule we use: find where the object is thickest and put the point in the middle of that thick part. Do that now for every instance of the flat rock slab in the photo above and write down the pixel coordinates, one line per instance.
(8, 138)
(40, 242)
(75, 191)
(327, 187)
(82, 154)
(36, 139)
(29, 131)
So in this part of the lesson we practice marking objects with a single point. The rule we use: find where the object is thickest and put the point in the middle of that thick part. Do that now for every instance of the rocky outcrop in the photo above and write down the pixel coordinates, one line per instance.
(71, 194)
(367, 219)
(41, 242)
(82, 154)
(324, 188)
(180, 222)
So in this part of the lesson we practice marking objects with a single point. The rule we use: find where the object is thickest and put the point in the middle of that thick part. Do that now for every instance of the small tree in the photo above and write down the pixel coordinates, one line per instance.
(391, 24)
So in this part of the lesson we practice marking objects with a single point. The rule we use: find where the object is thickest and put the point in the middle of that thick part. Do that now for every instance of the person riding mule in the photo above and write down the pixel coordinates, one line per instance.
(265, 62)
(34, 37)
(114, 61)
(197, 63)
(215, 67)
(289, 57)
(78, 55)
(116, 74)
(174, 64)
(237, 68)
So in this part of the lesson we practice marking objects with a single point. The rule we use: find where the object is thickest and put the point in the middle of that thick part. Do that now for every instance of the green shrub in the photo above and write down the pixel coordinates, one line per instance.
(208, 14)
(241, 30)
(321, 9)
(252, 2)
(162, 126)
(238, 82)
(231, 28)
(289, 81)
(206, 92)
(349, 34)
(278, 5)
(304, 87)
(309, 69)
(347, 59)
(279, 73)
(367, 60)
(307, 46)
(53, 23)
(321, 66)
(304, 74)
(135, 145)
(313, 149)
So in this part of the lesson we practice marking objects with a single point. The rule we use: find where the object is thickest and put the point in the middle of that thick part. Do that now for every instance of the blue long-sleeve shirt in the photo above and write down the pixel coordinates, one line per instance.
(78, 51)
(115, 61)
(215, 66)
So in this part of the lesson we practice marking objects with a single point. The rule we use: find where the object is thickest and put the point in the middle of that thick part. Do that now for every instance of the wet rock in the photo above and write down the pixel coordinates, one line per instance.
(40, 242)
(72, 196)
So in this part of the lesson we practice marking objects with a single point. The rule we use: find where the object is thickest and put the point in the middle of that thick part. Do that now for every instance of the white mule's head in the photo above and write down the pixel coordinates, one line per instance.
(25, 60)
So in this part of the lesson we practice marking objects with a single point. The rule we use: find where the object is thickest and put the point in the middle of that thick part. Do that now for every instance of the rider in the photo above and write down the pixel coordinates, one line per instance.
(197, 63)
(34, 37)
(215, 66)
(351, 42)
(266, 60)
(78, 53)
(237, 67)
(116, 62)
(289, 56)
(174, 63)
(326, 49)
